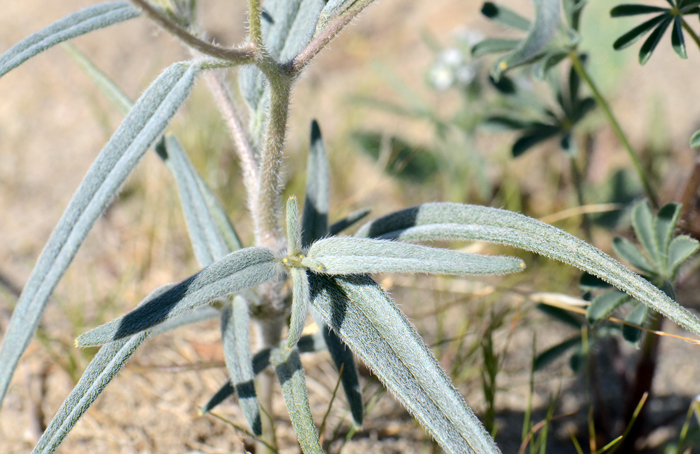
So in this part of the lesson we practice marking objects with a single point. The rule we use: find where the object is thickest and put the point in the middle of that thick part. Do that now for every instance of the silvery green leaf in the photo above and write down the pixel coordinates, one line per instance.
(117, 159)
(237, 271)
(369, 322)
(335, 8)
(293, 227)
(644, 226)
(666, 221)
(541, 32)
(434, 221)
(291, 377)
(318, 188)
(348, 221)
(695, 140)
(312, 343)
(207, 239)
(76, 24)
(493, 46)
(629, 252)
(637, 317)
(101, 370)
(505, 16)
(604, 304)
(188, 318)
(235, 335)
(551, 354)
(211, 231)
(300, 305)
(302, 29)
(680, 249)
(347, 255)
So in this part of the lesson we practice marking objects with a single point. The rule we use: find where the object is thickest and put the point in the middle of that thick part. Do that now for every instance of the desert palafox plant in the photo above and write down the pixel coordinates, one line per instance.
(328, 273)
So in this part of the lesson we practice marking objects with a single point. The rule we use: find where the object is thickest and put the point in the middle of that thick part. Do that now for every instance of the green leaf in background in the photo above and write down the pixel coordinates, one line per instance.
(604, 304)
(634, 9)
(548, 356)
(591, 282)
(652, 41)
(637, 317)
(637, 32)
(348, 221)
(666, 221)
(145, 122)
(629, 253)
(560, 315)
(680, 249)
(644, 223)
(677, 39)
(532, 137)
(405, 161)
(493, 46)
(695, 140)
(235, 321)
(84, 21)
(505, 16)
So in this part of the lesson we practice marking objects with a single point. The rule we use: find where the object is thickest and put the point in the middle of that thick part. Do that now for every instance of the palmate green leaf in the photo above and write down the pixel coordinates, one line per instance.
(102, 369)
(315, 227)
(637, 32)
(237, 271)
(680, 249)
(653, 40)
(537, 134)
(629, 253)
(140, 128)
(638, 316)
(493, 46)
(540, 33)
(207, 221)
(300, 305)
(347, 255)
(634, 10)
(235, 320)
(677, 39)
(604, 304)
(695, 140)
(505, 16)
(435, 221)
(76, 24)
(348, 221)
(368, 321)
(311, 343)
(551, 354)
(291, 377)
(644, 225)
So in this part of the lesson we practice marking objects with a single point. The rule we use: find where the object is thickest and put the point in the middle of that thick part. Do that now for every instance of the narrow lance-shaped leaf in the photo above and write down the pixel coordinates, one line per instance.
(540, 34)
(302, 29)
(315, 227)
(534, 136)
(680, 249)
(76, 24)
(311, 343)
(633, 10)
(347, 255)
(300, 305)
(637, 317)
(291, 377)
(367, 320)
(637, 32)
(665, 225)
(551, 354)
(653, 40)
(677, 39)
(317, 199)
(604, 304)
(493, 46)
(434, 221)
(644, 224)
(629, 252)
(237, 271)
(139, 129)
(102, 369)
(235, 321)
(207, 221)
(505, 16)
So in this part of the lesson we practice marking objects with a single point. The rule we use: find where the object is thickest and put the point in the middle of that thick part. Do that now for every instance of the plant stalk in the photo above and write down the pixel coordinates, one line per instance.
(646, 182)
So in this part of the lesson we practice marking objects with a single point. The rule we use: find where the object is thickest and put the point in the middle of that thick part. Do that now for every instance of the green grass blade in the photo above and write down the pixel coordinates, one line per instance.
(300, 305)
(237, 271)
(291, 377)
(347, 255)
(368, 321)
(117, 159)
(318, 190)
(540, 33)
(235, 321)
(634, 10)
(433, 221)
(76, 24)
(348, 221)
(637, 32)
(604, 304)
(505, 16)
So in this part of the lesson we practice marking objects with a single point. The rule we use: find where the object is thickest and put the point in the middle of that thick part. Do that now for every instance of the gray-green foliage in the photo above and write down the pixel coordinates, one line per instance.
(328, 272)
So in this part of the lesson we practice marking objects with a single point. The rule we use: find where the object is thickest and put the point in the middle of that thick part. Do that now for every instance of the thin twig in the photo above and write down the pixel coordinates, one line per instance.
(249, 163)
(600, 100)
(326, 36)
(239, 55)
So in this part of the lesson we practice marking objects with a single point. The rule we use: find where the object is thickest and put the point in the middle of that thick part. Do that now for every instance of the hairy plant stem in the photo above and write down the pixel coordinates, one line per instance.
(691, 32)
(600, 100)
(255, 23)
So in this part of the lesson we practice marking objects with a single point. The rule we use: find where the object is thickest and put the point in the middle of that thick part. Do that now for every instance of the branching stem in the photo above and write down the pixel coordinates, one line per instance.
(239, 55)
(646, 182)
